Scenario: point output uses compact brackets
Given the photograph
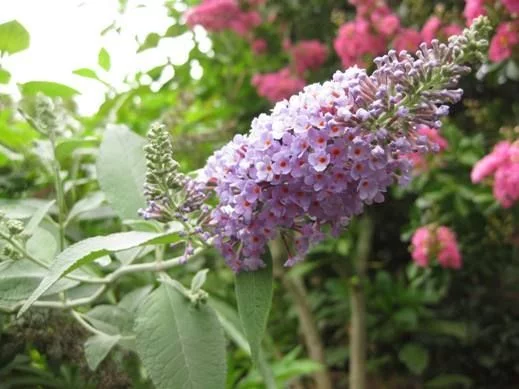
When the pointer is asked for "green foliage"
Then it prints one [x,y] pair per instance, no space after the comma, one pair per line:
[87,250]
[121,168]
[51,89]
[97,348]
[180,345]
[415,357]
[13,37]
[103,59]
[254,298]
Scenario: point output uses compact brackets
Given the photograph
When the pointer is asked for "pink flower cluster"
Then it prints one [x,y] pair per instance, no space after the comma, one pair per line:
[368,34]
[503,164]
[505,40]
[435,28]
[376,26]
[511,5]
[473,9]
[277,85]
[435,242]
[219,15]
[308,55]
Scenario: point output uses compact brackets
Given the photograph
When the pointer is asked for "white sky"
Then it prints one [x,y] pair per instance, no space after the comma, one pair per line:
[65,35]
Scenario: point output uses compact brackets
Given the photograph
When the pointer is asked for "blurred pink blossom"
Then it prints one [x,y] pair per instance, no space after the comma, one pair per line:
[503,163]
[355,41]
[308,55]
[259,46]
[435,29]
[428,242]
[511,5]
[219,15]
[407,39]
[448,252]
[278,85]
[489,164]
[473,9]
[504,41]
[421,242]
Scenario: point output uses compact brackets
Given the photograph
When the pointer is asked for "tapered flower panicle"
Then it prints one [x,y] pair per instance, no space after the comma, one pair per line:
[170,193]
[320,156]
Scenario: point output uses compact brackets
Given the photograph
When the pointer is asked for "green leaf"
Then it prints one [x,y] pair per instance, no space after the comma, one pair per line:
[13,37]
[415,357]
[445,381]
[198,280]
[151,41]
[38,216]
[66,147]
[87,73]
[254,298]
[51,89]
[5,76]
[87,250]
[42,245]
[90,202]
[97,348]
[111,319]
[131,301]
[180,346]
[103,59]
[231,324]
[18,279]
[121,168]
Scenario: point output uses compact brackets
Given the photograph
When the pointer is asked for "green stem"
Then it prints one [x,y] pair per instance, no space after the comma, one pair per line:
[60,195]
[358,333]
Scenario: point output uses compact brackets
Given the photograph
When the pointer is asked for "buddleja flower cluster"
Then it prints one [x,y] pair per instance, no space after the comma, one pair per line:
[171,194]
[319,157]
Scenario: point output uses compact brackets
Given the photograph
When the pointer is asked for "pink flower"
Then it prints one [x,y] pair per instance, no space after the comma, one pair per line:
[504,41]
[309,54]
[259,46]
[219,15]
[451,29]
[503,162]
[435,29]
[506,184]
[489,164]
[473,9]
[421,242]
[448,252]
[407,39]
[511,5]
[355,41]
[387,25]
[278,85]
[430,28]
[429,242]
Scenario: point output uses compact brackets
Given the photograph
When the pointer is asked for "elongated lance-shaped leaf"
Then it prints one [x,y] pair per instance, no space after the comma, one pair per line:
[254,297]
[87,250]
[181,346]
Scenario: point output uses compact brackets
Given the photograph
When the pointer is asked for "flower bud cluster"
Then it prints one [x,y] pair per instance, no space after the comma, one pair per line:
[11,231]
[171,194]
[319,157]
